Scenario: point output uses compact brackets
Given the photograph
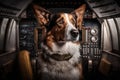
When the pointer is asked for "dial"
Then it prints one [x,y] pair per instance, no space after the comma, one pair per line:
[94,39]
[24,43]
[94,31]
[23,31]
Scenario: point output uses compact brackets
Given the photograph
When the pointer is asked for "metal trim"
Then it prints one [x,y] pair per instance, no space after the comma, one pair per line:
[118,32]
[110,33]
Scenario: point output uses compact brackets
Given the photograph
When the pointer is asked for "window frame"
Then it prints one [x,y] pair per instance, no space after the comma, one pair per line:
[116,25]
[118,31]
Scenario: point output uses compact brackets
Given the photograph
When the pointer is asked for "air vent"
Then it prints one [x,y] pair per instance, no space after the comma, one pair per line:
[13,8]
[104,8]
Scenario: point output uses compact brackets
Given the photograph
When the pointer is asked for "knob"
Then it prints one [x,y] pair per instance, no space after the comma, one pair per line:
[24,43]
[23,37]
[94,31]
[94,39]
[23,31]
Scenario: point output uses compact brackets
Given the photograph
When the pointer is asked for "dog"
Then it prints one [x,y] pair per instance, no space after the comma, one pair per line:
[60,59]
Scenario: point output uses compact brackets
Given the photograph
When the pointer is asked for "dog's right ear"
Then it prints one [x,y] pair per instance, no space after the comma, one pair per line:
[79,14]
[42,15]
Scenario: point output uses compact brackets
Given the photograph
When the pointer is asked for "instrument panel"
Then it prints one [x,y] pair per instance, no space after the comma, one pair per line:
[91,44]
[90,38]
[26,35]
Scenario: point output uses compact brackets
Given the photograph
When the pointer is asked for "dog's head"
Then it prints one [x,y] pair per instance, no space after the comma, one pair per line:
[62,26]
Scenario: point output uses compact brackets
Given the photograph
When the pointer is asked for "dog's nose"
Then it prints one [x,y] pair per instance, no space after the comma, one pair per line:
[74,33]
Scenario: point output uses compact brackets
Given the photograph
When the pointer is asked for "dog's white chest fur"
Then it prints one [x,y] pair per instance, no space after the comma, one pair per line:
[71,48]
[62,70]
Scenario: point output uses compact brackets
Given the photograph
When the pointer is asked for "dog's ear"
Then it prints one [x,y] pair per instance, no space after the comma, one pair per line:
[78,14]
[42,15]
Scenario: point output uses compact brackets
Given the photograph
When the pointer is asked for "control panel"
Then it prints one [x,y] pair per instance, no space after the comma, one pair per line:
[91,41]
[26,35]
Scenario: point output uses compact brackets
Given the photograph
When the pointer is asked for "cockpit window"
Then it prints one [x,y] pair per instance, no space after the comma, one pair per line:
[3,25]
[113,29]
[106,37]
[8,34]
[111,33]
[114,34]
[117,20]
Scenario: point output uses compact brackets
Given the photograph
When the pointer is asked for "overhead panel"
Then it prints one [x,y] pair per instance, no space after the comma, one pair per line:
[104,8]
[12,8]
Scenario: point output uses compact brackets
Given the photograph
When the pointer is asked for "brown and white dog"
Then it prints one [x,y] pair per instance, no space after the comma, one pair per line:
[61,46]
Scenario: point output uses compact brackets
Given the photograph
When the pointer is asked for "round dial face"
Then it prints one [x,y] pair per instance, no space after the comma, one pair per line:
[94,39]
[94,31]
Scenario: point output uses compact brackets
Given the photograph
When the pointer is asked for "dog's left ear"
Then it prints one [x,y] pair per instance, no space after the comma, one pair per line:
[79,14]
[42,15]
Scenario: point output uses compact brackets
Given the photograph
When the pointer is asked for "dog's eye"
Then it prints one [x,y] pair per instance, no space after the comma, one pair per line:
[73,21]
[60,22]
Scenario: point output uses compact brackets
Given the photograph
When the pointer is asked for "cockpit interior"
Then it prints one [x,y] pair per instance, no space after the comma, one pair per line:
[21,38]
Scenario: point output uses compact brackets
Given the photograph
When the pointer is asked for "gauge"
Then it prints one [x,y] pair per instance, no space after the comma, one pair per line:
[94,31]
[94,39]
[24,31]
